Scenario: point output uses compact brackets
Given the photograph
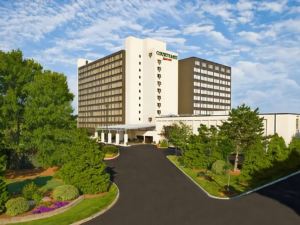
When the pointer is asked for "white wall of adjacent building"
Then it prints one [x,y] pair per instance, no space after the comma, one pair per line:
[284,125]
[141,74]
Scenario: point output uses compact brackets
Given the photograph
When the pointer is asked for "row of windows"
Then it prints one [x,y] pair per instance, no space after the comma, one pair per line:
[100,101]
[210,73]
[101,63]
[211,106]
[203,112]
[100,94]
[103,106]
[101,88]
[98,76]
[100,82]
[211,86]
[209,79]
[101,119]
[211,66]
[210,99]
[214,93]
[99,113]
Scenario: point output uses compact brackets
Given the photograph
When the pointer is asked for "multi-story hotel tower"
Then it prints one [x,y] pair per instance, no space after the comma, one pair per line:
[132,86]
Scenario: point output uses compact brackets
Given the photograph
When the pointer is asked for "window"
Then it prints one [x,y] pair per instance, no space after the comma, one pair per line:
[139,105]
[139,119]
[139,91]
[140,63]
[159,61]
[139,84]
[159,68]
[159,105]
[297,124]
[159,97]
[158,90]
[159,76]
[158,112]
[158,83]
[139,112]
[139,70]
[139,98]
[203,64]
[140,56]
[197,63]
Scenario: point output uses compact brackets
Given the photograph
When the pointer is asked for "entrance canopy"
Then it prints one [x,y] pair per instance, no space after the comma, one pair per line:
[126,127]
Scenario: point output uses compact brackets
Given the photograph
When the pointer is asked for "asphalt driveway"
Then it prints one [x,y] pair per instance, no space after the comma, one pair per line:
[154,192]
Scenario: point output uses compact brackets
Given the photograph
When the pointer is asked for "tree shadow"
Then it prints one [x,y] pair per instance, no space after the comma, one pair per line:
[110,170]
[286,192]
[16,187]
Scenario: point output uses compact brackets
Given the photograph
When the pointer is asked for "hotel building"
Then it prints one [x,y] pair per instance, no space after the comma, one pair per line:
[204,87]
[131,94]
[132,86]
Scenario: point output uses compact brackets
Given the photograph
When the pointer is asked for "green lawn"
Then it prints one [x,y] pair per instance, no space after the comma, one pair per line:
[45,183]
[83,210]
[215,186]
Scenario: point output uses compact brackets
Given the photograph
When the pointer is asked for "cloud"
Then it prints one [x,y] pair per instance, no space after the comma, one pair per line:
[208,31]
[275,6]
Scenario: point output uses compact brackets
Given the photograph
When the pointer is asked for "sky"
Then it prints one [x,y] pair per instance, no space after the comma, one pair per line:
[260,40]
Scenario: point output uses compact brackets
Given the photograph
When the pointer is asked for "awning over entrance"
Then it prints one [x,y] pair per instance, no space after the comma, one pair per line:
[126,127]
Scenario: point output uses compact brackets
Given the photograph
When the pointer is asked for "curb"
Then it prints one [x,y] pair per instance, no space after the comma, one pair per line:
[33,217]
[101,212]
[240,195]
[107,159]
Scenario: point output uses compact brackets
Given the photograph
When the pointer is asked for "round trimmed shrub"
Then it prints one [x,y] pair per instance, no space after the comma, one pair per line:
[65,192]
[218,167]
[110,149]
[16,206]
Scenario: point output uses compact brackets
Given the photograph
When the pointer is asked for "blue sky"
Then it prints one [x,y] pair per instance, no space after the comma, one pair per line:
[260,40]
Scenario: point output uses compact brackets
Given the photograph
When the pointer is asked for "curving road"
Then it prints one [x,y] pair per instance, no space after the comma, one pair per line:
[154,192]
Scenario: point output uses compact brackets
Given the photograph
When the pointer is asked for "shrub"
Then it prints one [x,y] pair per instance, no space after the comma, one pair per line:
[87,171]
[29,190]
[16,206]
[65,193]
[164,143]
[3,194]
[110,149]
[218,167]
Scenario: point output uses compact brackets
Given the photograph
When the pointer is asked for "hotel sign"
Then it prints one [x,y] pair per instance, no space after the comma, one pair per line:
[166,56]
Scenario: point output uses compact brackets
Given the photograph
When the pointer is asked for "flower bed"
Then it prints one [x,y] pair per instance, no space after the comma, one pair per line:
[43,209]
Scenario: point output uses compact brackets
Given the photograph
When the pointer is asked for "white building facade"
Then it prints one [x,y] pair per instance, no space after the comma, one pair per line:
[284,124]
[151,81]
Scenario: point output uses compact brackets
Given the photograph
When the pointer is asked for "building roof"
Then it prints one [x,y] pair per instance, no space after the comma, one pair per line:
[124,127]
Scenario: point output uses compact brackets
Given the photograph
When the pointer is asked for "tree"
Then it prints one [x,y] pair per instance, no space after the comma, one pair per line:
[195,154]
[3,186]
[178,134]
[15,74]
[277,150]
[244,128]
[84,167]
[47,118]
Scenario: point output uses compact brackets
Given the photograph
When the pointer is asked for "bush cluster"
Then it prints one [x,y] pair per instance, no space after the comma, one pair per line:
[65,193]
[163,143]
[31,192]
[16,206]
[110,149]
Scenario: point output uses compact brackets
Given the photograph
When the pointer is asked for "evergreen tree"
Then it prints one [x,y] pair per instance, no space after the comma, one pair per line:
[244,128]
[277,150]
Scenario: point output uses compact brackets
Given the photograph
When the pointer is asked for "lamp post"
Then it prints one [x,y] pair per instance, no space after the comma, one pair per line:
[228,178]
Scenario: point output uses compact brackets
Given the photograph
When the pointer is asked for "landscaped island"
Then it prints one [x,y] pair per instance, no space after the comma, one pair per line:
[234,157]
[38,132]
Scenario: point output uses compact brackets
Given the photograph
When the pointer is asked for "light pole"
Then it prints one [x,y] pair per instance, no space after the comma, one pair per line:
[228,178]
